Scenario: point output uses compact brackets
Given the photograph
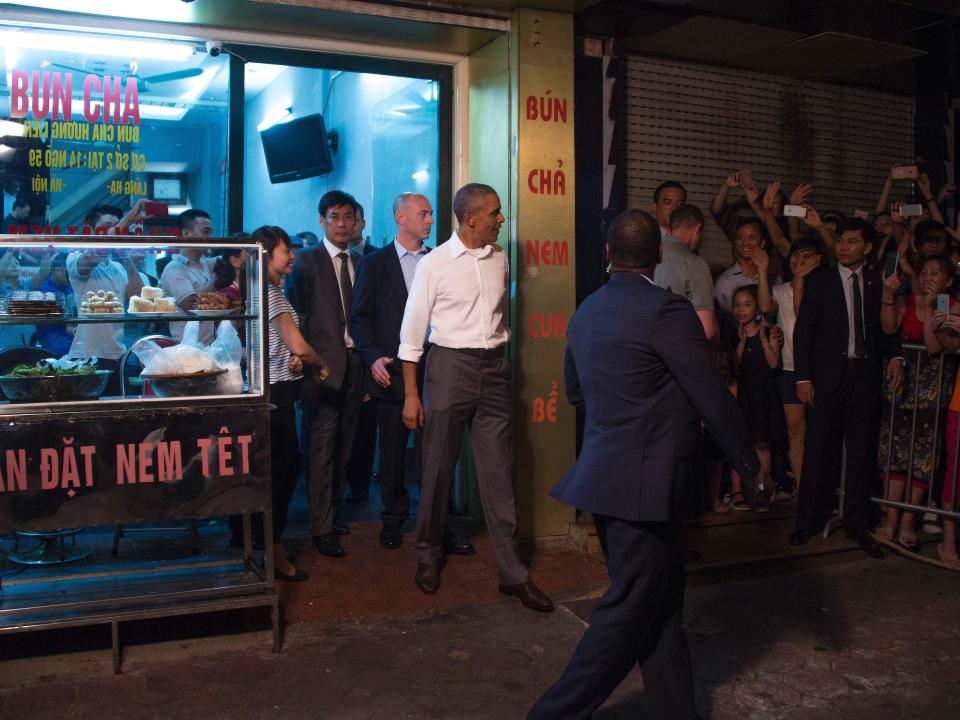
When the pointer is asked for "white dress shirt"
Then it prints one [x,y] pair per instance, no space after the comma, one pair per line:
[845,275]
[461,296]
[334,252]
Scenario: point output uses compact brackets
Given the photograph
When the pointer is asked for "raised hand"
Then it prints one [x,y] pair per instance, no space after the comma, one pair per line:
[770,194]
[732,180]
[946,191]
[807,266]
[776,337]
[891,284]
[895,215]
[761,259]
[812,218]
[800,192]
[923,182]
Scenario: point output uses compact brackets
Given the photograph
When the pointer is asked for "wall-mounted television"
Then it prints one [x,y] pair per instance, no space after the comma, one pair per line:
[297,149]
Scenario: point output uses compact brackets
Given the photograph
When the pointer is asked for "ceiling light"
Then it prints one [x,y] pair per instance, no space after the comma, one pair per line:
[96,45]
[275,117]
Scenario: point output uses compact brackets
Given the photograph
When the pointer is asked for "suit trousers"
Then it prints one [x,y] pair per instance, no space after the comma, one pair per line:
[364,449]
[330,424]
[850,416]
[284,450]
[466,390]
[637,621]
[393,455]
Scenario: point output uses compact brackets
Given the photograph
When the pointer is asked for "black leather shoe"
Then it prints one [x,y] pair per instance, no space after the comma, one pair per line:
[798,537]
[391,539]
[866,543]
[298,575]
[428,577]
[454,546]
[328,545]
[341,529]
[530,595]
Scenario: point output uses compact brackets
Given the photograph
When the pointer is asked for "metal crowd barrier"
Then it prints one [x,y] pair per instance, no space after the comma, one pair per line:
[916,355]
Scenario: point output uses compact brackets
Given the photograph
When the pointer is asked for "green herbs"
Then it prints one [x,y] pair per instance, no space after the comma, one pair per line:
[43,369]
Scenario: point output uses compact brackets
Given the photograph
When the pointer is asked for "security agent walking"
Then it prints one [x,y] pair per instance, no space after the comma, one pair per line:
[638,364]
[459,292]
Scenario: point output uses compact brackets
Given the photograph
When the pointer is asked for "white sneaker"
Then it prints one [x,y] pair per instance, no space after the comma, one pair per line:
[931,524]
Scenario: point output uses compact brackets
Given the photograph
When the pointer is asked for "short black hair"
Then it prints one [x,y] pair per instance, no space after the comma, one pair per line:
[813,244]
[752,290]
[469,198]
[751,220]
[860,225]
[335,198]
[929,231]
[270,236]
[669,184]
[633,239]
[686,216]
[187,218]
[359,211]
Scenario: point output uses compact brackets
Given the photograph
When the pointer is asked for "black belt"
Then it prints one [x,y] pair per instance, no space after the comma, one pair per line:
[482,353]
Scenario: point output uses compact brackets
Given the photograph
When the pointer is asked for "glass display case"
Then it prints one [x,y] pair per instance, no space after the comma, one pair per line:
[105,319]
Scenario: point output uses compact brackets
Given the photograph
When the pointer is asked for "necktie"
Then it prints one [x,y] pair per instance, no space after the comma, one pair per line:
[859,343]
[346,287]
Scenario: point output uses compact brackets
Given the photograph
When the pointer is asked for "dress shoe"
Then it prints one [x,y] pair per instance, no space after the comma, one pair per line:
[454,546]
[341,529]
[353,498]
[428,577]
[798,537]
[866,543]
[328,545]
[530,595]
[298,575]
[391,539]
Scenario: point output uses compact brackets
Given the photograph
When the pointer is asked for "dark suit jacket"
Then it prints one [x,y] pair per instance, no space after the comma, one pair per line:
[379,299]
[316,297]
[822,332]
[637,362]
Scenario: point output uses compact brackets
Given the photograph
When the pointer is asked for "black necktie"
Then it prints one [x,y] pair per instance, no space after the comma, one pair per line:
[346,287]
[859,343]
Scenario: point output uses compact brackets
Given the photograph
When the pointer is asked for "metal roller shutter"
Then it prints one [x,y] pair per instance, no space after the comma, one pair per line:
[698,123]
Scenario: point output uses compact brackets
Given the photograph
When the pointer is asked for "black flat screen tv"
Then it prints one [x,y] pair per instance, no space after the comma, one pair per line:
[297,149]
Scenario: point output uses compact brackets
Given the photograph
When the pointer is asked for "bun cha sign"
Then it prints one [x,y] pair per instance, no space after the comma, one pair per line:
[48,95]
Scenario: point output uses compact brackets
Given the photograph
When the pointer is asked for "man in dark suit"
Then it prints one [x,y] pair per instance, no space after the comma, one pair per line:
[839,352]
[365,444]
[639,365]
[379,300]
[323,296]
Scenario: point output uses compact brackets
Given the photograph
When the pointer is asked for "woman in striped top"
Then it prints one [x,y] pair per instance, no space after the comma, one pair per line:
[287,352]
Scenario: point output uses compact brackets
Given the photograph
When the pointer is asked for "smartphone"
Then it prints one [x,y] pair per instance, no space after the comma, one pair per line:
[156,209]
[911,210]
[904,172]
[862,214]
[893,262]
[794,211]
[943,303]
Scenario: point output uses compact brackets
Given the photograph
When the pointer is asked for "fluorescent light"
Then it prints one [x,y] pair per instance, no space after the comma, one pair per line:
[420,175]
[161,112]
[97,45]
[274,117]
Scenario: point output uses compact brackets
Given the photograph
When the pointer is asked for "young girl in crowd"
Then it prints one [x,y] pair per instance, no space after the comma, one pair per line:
[947,327]
[758,355]
[912,315]
[287,353]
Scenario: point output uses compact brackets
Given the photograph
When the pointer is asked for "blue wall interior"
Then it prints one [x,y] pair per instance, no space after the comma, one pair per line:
[388,144]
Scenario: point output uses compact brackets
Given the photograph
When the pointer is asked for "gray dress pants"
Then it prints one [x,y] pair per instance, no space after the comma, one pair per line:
[468,388]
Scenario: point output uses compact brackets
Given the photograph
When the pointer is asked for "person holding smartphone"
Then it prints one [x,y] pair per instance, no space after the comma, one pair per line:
[913,412]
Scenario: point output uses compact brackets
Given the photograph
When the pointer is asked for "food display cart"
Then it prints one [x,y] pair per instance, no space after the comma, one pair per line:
[185,445]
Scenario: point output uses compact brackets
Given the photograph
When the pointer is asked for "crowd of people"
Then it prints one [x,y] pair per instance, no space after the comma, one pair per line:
[832,332]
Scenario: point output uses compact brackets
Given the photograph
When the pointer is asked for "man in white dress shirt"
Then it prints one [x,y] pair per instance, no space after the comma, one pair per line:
[460,293]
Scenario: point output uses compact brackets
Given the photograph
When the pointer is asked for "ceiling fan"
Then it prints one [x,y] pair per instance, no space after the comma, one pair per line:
[143,82]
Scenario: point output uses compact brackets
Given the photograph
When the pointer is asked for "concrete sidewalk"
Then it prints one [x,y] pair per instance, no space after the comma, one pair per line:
[835,637]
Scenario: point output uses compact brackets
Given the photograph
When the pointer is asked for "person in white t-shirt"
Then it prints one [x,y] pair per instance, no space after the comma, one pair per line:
[94,270]
[784,300]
